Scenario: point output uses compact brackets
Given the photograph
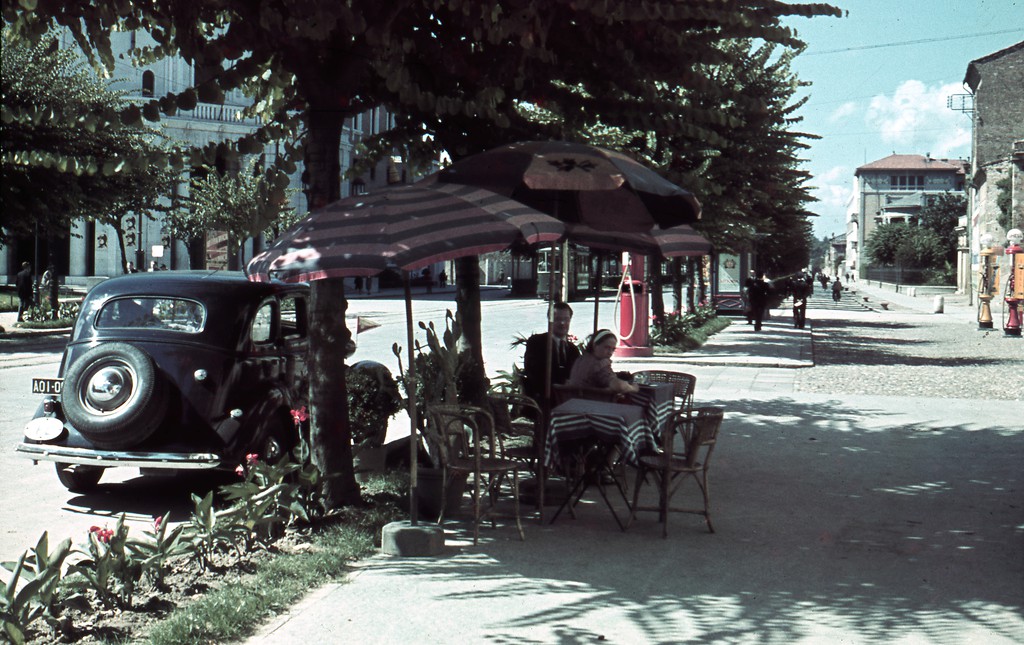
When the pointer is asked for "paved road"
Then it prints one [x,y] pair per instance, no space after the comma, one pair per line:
[844,514]
[842,517]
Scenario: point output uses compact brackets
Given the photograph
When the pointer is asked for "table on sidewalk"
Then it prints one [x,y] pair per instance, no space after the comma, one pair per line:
[583,435]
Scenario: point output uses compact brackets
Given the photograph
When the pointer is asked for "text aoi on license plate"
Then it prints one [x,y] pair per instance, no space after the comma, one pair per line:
[47,385]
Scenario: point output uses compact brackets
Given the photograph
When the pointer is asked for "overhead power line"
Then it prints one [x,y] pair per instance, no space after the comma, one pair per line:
[912,42]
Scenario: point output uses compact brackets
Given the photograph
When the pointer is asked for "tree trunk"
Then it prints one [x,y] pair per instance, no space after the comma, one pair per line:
[677,285]
[330,432]
[467,301]
[656,289]
[691,295]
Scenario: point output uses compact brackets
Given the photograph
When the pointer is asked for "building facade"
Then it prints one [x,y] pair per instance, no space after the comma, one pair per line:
[91,251]
[894,190]
[996,188]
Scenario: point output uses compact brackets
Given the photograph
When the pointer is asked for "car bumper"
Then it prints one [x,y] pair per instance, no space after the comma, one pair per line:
[113,458]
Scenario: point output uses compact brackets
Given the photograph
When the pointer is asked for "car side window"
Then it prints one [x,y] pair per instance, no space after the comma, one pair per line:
[293,317]
[263,324]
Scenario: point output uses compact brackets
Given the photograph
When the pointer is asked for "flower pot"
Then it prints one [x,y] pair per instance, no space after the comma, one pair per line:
[428,492]
[368,460]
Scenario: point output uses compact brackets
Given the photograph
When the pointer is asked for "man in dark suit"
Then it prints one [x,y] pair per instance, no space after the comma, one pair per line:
[757,294]
[563,354]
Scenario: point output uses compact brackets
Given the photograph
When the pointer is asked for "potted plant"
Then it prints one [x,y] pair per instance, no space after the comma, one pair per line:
[442,377]
[373,398]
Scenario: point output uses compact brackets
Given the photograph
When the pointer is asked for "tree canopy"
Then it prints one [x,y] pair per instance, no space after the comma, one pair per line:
[458,74]
[62,158]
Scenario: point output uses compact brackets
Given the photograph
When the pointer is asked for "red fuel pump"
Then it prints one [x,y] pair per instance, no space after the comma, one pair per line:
[634,319]
[1014,283]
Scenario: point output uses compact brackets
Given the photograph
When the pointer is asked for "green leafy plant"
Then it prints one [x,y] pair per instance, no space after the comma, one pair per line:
[41,316]
[675,327]
[31,589]
[208,532]
[157,548]
[270,497]
[373,398]
[109,566]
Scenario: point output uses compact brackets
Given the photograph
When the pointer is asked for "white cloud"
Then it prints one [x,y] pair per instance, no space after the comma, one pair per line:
[916,120]
[833,188]
[843,111]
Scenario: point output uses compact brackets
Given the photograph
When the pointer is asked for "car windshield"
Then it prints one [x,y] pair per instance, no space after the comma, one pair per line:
[174,314]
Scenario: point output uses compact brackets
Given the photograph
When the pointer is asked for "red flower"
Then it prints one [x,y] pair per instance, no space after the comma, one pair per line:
[103,535]
[158,521]
[252,459]
[300,415]
[239,470]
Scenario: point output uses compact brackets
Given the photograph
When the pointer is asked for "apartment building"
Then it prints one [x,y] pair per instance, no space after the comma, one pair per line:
[894,189]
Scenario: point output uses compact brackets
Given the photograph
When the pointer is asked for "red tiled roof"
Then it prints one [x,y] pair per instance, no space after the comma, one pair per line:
[915,162]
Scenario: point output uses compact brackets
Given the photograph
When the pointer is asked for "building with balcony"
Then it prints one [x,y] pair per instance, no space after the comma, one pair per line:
[894,189]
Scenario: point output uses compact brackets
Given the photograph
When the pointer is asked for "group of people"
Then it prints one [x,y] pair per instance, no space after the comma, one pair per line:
[800,286]
[591,367]
[49,286]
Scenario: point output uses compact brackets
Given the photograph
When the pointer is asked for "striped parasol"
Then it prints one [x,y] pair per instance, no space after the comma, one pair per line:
[407,227]
[579,184]
[677,241]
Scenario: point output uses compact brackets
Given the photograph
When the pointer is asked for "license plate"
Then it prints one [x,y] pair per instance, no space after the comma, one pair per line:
[47,385]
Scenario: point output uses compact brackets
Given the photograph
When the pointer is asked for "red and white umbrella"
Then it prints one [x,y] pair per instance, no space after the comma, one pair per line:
[407,227]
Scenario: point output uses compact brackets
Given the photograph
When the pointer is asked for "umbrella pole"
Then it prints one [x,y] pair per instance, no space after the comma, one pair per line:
[413,442]
[597,291]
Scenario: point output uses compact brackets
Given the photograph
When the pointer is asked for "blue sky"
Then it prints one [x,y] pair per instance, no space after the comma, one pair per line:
[881,77]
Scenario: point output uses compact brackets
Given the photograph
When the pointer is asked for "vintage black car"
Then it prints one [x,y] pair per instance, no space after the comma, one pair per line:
[174,370]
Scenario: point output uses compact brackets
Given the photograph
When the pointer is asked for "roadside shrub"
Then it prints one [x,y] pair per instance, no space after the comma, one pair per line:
[675,327]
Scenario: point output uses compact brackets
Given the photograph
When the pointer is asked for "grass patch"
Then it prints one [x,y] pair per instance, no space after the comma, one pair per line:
[696,337]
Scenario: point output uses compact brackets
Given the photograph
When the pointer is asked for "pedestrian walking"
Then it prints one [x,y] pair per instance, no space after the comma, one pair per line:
[757,294]
[23,282]
[800,290]
[442,279]
[837,290]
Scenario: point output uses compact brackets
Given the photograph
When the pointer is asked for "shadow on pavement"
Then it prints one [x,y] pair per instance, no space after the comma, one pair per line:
[834,523]
[148,495]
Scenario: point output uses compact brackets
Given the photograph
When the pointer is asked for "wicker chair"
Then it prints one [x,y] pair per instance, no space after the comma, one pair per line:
[699,434]
[466,442]
[518,419]
[683,384]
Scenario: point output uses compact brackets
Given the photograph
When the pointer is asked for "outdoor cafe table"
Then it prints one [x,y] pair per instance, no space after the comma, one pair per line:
[601,427]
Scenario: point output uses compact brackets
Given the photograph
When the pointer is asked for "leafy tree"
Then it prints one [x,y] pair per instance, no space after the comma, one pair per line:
[456,70]
[942,217]
[884,244]
[244,204]
[62,159]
